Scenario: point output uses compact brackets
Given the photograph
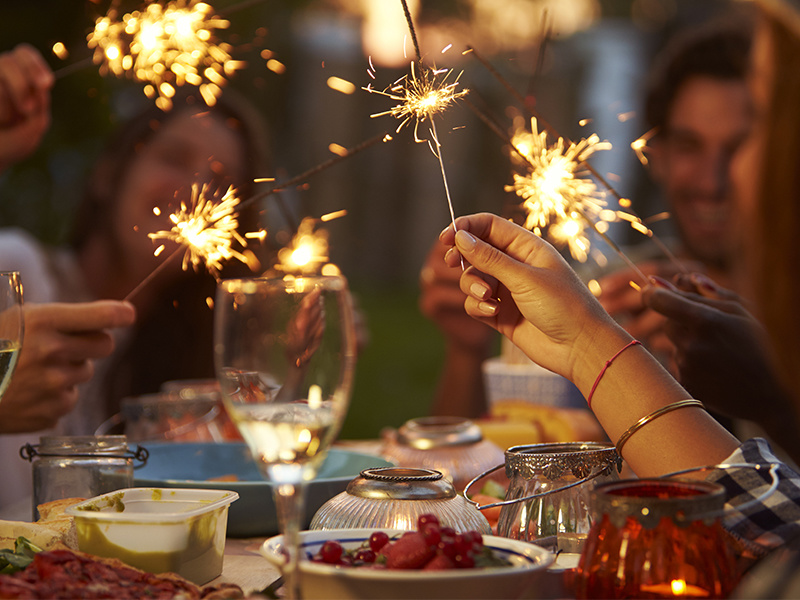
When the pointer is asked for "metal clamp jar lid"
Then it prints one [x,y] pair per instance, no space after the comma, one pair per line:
[80,466]
[395,497]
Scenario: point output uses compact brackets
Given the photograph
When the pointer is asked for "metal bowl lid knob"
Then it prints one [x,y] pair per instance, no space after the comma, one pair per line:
[401,483]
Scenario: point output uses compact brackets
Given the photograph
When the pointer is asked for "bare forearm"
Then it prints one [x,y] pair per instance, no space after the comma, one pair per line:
[635,385]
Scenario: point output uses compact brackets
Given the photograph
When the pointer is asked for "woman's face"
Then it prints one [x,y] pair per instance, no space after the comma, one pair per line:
[193,147]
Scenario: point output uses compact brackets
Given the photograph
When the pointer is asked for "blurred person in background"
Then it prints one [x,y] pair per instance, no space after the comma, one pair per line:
[146,170]
[697,102]
[698,107]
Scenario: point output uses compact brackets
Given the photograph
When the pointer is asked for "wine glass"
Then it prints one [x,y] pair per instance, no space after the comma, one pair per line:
[285,357]
[11,325]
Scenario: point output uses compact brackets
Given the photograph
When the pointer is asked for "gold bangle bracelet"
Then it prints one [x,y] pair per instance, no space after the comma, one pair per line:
[651,417]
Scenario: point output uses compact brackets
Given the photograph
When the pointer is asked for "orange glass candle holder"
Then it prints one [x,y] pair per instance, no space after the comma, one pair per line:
[657,538]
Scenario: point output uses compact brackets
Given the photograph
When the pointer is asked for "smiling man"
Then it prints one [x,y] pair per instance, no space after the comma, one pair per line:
[698,107]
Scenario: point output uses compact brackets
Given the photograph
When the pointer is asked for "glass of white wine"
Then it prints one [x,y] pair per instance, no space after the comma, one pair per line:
[11,325]
[285,358]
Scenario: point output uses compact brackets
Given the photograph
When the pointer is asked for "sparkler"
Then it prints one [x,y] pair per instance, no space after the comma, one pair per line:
[307,253]
[206,230]
[165,46]
[421,97]
[635,221]
[551,188]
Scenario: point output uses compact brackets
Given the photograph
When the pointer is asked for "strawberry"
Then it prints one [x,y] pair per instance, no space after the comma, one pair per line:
[440,562]
[411,551]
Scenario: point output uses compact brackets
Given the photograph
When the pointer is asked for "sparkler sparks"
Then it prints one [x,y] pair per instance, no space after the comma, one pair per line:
[307,254]
[551,187]
[420,96]
[165,46]
[208,229]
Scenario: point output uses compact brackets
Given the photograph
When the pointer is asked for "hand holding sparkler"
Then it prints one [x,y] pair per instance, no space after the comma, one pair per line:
[25,83]
[521,286]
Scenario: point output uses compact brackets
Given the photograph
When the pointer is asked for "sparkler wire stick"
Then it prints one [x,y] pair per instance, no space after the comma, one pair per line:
[554,133]
[383,137]
[153,273]
[73,68]
[412,30]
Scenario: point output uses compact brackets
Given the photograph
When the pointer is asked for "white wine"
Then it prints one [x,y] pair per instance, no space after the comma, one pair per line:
[288,440]
[9,353]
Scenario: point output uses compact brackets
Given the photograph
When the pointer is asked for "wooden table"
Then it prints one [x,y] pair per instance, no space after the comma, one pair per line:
[243,565]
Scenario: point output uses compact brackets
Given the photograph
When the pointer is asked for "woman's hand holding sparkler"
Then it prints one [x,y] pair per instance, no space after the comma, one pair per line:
[61,340]
[520,285]
[25,82]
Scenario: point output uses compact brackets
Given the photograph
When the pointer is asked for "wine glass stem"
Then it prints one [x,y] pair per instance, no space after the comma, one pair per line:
[290,500]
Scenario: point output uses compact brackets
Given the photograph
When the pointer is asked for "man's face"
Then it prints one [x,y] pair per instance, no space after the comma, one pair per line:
[708,121]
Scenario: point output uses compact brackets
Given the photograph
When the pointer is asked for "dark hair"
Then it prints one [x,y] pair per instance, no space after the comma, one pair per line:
[719,51]
[173,338]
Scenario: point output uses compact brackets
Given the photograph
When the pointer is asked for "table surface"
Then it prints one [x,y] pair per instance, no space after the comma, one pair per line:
[243,565]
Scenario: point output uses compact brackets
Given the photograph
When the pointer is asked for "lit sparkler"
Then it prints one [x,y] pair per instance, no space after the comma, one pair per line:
[166,46]
[551,187]
[307,253]
[207,229]
[420,96]
[635,221]
[639,147]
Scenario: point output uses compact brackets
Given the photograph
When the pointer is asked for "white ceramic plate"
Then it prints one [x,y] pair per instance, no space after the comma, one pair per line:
[318,580]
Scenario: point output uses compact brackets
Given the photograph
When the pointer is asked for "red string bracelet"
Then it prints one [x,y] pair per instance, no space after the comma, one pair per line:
[605,368]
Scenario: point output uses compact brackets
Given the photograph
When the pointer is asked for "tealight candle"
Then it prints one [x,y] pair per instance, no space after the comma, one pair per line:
[657,538]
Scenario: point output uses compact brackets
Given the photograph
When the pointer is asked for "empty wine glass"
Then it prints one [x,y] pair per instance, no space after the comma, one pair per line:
[285,357]
[11,325]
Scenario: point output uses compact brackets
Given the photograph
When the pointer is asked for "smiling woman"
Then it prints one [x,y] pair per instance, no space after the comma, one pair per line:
[146,172]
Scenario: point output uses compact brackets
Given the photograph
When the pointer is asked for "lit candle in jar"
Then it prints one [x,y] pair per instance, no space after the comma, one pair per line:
[677,588]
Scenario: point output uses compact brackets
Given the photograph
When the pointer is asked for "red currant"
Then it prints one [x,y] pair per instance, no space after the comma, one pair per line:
[464,561]
[331,552]
[378,540]
[427,520]
[364,555]
[432,535]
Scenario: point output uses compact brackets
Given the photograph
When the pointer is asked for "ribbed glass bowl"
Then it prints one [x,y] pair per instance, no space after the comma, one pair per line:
[395,497]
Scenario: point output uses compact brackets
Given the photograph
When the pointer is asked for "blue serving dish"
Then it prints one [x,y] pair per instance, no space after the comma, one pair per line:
[192,465]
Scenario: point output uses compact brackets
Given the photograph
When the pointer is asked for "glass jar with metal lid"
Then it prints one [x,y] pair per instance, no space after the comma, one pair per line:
[394,497]
[454,446]
[80,466]
[547,499]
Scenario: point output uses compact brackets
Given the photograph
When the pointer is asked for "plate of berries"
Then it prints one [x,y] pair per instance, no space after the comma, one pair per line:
[430,561]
